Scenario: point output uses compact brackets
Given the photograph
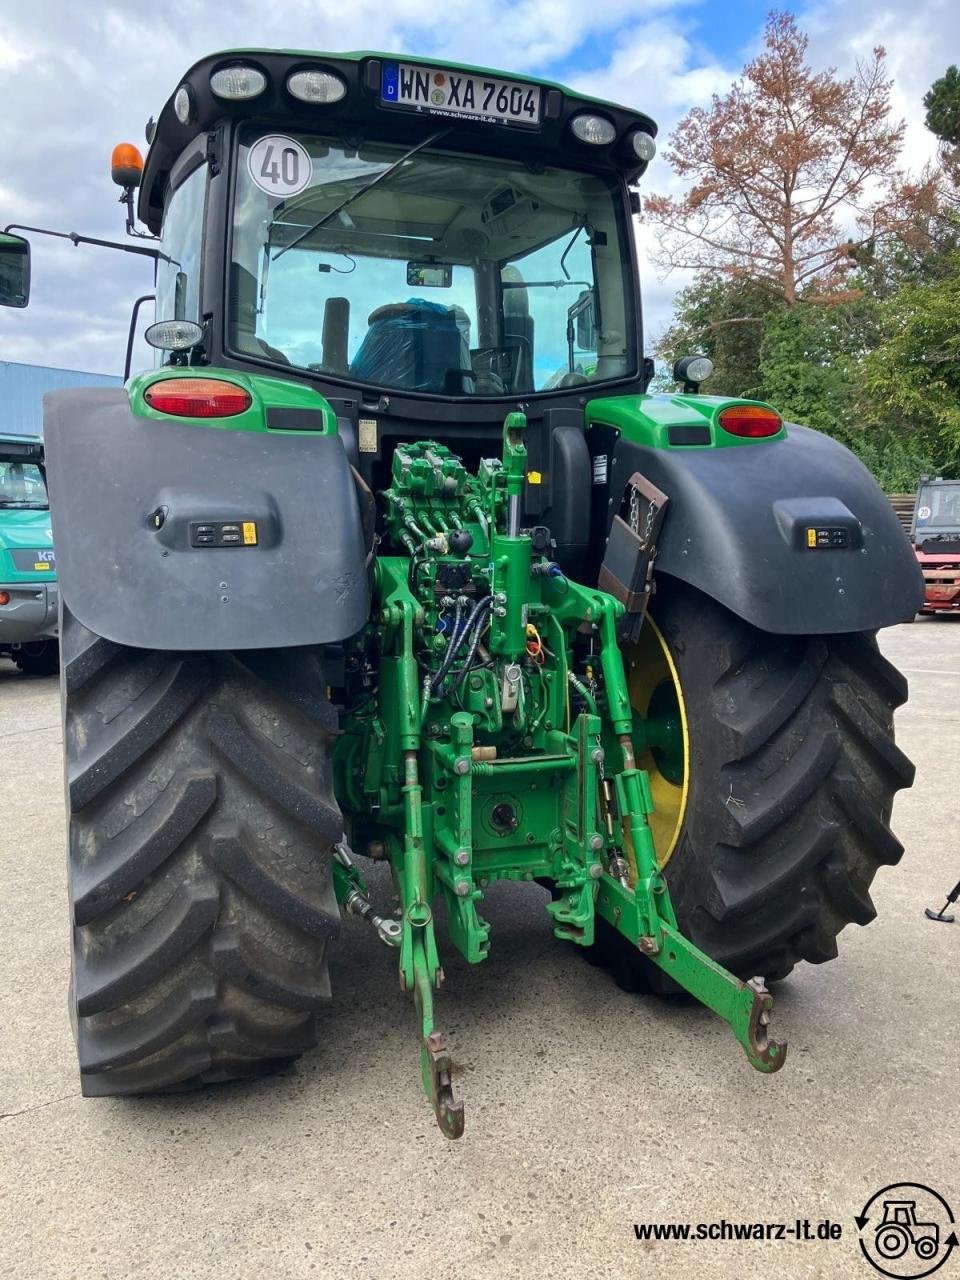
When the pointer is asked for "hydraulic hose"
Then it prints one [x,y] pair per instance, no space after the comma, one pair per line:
[456,641]
[584,692]
[476,624]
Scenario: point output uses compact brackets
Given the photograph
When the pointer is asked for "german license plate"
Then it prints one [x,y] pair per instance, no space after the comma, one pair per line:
[455,93]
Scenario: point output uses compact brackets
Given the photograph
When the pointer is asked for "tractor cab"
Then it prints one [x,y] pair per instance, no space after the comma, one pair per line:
[427,247]
[453,275]
[935,534]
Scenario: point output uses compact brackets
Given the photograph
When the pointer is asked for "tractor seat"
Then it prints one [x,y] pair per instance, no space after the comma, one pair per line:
[394,311]
[417,345]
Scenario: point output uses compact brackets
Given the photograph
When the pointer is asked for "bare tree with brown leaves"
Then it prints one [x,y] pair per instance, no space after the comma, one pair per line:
[781,169]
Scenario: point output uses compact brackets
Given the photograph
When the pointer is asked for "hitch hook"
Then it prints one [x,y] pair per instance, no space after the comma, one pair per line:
[437,1068]
[765,1054]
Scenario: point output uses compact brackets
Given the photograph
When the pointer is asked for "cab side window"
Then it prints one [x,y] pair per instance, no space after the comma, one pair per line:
[178,270]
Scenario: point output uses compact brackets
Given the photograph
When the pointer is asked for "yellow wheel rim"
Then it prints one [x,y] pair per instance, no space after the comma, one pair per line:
[652,678]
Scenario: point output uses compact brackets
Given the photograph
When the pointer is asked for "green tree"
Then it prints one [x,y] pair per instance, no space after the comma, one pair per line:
[812,361]
[815,363]
[808,359]
[897,458]
[942,103]
[912,378]
[724,320]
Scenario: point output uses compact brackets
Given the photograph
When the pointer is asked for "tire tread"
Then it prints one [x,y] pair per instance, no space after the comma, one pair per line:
[788,812]
[202,820]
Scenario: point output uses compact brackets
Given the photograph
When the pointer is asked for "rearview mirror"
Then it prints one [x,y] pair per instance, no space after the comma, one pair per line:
[430,275]
[14,271]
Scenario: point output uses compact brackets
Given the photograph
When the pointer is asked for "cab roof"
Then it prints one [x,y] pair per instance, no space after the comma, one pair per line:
[362,114]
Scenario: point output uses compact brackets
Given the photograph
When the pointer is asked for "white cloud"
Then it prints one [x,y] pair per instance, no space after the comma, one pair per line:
[10,56]
[656,67]
[921,40]
[529,37]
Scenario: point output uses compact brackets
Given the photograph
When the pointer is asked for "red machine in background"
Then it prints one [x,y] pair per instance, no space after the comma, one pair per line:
[935,534]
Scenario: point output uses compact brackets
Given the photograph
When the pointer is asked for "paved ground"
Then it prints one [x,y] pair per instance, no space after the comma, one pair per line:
[587,1110]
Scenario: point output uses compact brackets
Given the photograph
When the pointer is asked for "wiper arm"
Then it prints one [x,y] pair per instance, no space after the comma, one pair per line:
[374,182]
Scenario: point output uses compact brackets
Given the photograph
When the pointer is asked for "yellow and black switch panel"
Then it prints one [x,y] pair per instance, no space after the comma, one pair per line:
[220,533]
[827,538]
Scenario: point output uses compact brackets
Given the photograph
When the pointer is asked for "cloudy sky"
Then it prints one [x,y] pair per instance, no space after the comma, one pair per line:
[78,78]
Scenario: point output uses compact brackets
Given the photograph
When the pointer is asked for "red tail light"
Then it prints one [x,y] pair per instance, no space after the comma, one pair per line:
[197,397]
[4,597]
[751,420]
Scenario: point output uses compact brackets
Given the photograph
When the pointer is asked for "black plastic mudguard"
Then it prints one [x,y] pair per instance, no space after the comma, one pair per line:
[130,496]
[737,528]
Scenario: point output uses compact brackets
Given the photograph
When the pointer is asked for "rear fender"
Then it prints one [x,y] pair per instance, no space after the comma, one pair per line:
[737,524]
[127,494]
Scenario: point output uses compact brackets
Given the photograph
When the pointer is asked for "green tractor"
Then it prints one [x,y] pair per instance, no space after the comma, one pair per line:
[28,571]
[396,560]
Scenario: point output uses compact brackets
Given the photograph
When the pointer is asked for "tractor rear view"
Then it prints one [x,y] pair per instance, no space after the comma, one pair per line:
[403,564]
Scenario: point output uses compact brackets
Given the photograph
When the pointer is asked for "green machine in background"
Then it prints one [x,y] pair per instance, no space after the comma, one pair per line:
[28,573]
[397,560]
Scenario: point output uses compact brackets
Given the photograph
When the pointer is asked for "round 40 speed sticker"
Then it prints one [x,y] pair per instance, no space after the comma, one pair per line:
[280,166]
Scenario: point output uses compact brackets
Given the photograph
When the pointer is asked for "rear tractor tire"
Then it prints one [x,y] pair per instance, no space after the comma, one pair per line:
[201,827]
[774,772]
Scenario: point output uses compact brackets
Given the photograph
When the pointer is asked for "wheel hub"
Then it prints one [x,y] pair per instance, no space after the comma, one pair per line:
[660,733]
